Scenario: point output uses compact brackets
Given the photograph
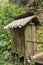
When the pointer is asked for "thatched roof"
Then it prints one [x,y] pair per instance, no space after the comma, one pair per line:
[21,22]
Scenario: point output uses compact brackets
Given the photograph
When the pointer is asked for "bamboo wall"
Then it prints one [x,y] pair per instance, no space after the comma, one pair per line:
[17,36]
[30,35]
[21,37]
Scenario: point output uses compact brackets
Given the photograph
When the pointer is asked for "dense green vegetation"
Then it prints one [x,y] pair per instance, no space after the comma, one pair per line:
[7,13]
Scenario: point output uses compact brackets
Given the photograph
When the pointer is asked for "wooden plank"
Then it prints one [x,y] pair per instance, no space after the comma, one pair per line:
[38,42]
[39,58]
[38,55]
[34,36]
[22,41]
[38,63]
[28,45]
[13,39]
[33,33]
[18,38]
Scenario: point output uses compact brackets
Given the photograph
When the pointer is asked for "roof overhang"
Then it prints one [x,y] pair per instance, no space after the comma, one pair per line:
[21,22]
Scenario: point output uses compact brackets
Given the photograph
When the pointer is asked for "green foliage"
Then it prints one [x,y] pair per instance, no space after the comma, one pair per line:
[40,33]
[41,2]
[19,2]
[7,13]
[32,63]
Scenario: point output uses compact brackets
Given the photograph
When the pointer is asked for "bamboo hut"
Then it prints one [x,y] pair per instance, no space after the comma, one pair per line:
[23,31]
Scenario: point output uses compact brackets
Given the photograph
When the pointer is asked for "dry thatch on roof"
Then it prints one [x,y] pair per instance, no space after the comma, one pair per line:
[25,14]
[22,22]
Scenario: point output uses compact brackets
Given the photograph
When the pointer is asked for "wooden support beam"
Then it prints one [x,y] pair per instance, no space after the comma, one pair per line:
[38,55]
[35,42]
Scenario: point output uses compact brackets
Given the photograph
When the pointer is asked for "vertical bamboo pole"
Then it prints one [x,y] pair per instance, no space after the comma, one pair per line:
[34,36]
[28,45]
